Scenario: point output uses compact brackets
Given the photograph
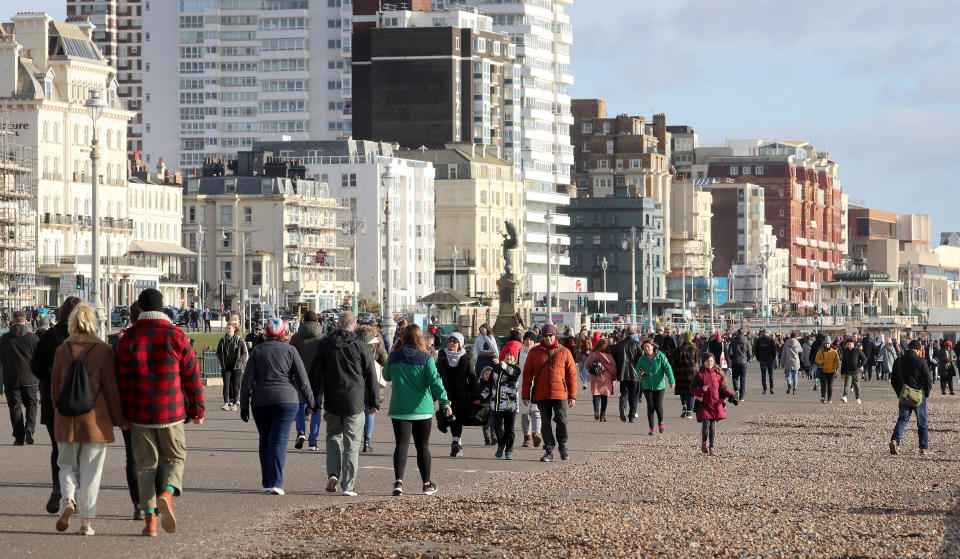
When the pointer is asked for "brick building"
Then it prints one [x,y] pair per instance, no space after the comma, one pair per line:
[803,205]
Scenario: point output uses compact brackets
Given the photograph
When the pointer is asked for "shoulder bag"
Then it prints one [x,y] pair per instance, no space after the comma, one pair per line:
[536,377]
[911,397]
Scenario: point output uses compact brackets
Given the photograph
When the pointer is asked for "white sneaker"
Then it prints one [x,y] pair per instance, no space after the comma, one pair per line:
[349,493]
[332,484]
[858,401]
[266,489]
[312,448]
[276,491]
[225,407]
[843,399]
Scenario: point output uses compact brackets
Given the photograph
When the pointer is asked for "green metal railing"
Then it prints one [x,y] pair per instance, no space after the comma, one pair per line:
[209,365]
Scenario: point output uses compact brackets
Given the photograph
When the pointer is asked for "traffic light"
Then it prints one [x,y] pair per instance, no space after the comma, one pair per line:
[79,282]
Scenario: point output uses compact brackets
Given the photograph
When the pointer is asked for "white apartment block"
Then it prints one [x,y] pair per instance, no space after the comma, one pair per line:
[355,171]
[543,35]
[243,71]
[47,70]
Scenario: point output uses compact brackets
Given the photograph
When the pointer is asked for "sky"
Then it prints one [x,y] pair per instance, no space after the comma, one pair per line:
[873,81]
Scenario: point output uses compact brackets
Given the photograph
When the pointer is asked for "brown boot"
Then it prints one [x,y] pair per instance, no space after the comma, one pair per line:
[165,509]
[150,528]
[537,439]
[526,441]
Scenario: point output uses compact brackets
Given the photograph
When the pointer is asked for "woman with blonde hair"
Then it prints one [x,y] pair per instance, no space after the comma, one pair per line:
[83,437]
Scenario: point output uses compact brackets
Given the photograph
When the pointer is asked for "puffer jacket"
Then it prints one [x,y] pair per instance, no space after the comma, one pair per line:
[765,349]
[791,355]
[738,350]
[828,360]
[556,380]
[503,387]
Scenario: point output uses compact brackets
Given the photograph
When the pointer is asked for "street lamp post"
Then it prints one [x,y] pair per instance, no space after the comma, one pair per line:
[710,285]
[647,246]
[603,266]
[560,251]
[548,219]
[95,105]
[632,245]
[453,254]
[200,308]
[683,285]
[357,226]
[389,324]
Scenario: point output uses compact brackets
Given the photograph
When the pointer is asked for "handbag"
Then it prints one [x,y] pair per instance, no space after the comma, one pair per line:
[911,397]
[596,368]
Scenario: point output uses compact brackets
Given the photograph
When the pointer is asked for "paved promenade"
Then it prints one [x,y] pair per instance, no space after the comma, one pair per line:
[793,477]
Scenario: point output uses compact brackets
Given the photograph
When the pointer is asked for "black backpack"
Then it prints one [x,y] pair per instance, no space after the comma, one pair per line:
[75,397]
[596,368]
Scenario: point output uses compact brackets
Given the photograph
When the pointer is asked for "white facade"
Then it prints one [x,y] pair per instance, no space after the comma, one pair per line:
[543,35]
[243,72]
[55,65]
[355,172]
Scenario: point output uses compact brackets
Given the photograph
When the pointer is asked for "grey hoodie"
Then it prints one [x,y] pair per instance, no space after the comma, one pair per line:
[790,354]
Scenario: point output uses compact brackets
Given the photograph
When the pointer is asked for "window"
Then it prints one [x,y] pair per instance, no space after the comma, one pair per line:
[798,191]
[781,212]
[636,163]
[734,171]
[588,128]
[603,164]
[746,170]
[758,170]
[483,196]
[226,271]
[606,127]
[192,214]
[597,240]
[247,214]
[226,215]
[610,147]
[483,224]
[586,147]
[619,163]
[348,180]
[226,240]
[256,272]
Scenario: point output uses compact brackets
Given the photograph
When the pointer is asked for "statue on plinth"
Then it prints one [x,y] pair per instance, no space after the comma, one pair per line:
[507,284]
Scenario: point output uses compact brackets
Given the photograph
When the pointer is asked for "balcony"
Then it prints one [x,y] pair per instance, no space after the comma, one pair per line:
[189,279]
[447,263]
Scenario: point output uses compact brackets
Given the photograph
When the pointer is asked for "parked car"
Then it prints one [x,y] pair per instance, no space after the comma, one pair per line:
[366,318]
[120,316]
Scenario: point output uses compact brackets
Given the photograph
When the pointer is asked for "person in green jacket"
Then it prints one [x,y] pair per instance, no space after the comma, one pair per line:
[654,366]
[416,384]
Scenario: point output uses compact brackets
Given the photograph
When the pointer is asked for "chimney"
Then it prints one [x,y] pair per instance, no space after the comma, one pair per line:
[33,34]
[83,22]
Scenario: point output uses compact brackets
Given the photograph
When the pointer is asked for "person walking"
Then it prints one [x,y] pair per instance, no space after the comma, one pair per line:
[828,362]
[765,350]
[232,355]
[42,365]
[602,369]
[656,375]
[947,364]
[685,364]
[715,347]
[344,373]
[369,335]
[550,381]
[851,365]
[710,387]
[305,341]
[869,349]
[160,387]
[529,414]
[274,383]
[888,355]
[83,438]
[910,371]
[503,383]
[738,355]
[416,385]
[805,358]
[21,386]
[815,346]
[626,352]
[459,383]
[207,319]
[484,349]
[791,357]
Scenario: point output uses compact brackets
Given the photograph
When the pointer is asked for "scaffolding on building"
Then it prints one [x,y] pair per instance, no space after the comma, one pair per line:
[18,219]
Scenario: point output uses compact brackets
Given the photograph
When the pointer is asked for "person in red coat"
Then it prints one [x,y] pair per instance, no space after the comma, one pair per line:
[710,388]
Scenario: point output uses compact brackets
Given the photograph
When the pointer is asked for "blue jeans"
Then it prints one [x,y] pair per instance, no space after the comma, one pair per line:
[630,396]
[687,402]
[739,378]
[273,423]
[767,369]
[904,417]
[315,419]
[600,402]
[368,421]
[791,375]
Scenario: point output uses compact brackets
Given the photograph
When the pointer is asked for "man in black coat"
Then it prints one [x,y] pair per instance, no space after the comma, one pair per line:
[343,373]
[765,349]
[911,370]
[626,352]
[852,361]
[20,384]
[41,364]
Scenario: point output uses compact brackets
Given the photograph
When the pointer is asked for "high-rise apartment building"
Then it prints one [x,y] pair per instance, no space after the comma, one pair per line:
[473,81]
[119,35]
[803,204]
[243,71]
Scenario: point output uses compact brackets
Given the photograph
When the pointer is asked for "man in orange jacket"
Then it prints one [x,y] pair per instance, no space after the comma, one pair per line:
[549,378]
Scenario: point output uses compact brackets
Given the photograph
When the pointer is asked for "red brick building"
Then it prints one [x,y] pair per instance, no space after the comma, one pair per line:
[803,204]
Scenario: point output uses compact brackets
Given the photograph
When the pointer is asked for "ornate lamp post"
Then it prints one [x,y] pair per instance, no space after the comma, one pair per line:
[95,105]
[631,243]
[603,266]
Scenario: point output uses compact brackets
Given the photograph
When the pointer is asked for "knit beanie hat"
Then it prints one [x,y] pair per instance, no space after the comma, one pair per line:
[512,349]
[275,328]
[150,300]
[457,336]
[687,336]
[530,335]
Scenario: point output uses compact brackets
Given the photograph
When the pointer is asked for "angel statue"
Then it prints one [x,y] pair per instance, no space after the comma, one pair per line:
[509,243]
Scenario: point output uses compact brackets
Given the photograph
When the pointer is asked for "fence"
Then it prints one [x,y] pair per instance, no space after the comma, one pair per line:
[209,365]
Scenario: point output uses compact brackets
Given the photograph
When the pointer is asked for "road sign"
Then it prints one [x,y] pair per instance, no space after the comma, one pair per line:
[67,284]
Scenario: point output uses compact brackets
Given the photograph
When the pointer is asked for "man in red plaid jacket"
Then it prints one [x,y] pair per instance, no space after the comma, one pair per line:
[160,387]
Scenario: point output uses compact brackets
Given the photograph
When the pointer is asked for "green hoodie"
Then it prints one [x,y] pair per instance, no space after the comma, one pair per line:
[416,384]
[656,368]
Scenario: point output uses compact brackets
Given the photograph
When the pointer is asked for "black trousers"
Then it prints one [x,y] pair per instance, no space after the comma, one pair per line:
[654,400]
[133,483]
[231,386]
[826,385]
[419,430]
[54,457]
[23,403]
[946,382]
[555,410]
[206,325]
[630,395]
[503,424]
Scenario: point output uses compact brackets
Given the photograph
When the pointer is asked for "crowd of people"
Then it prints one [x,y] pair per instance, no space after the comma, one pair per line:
[149,385]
